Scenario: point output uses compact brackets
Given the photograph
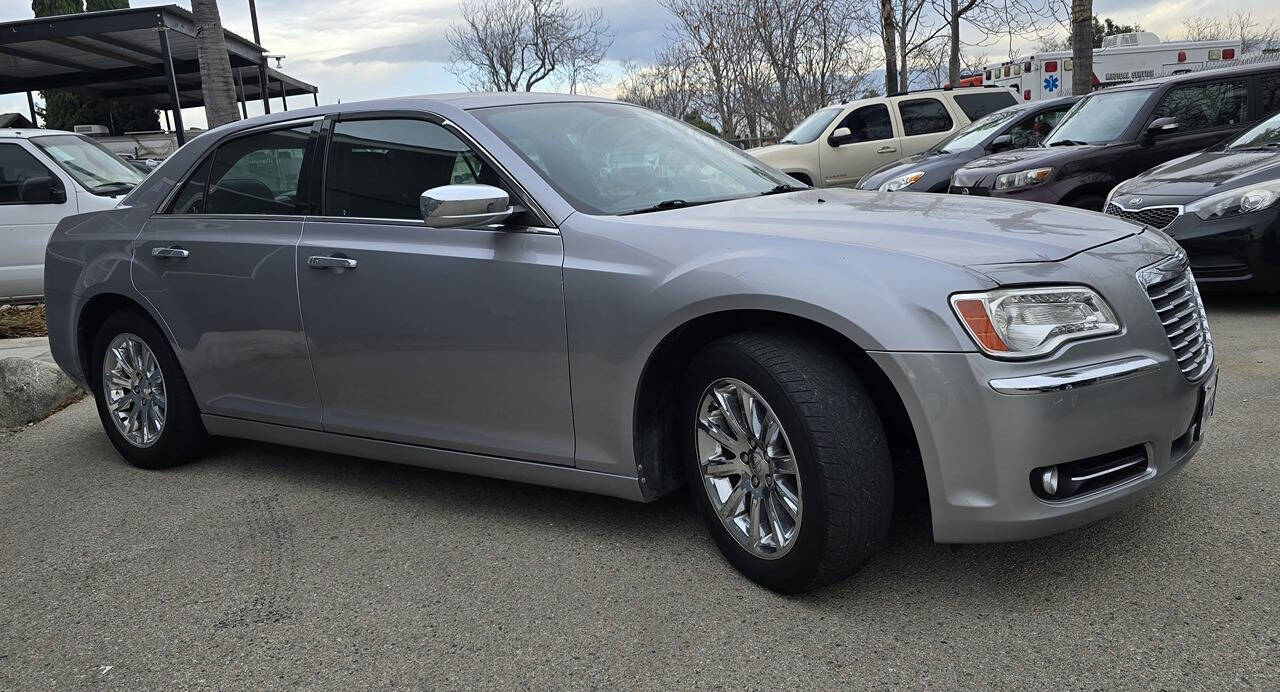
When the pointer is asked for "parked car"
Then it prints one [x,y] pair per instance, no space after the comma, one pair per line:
[839,144]
[1015,127]
[1116,133]
[1220,205]
[46,175]
[550,319]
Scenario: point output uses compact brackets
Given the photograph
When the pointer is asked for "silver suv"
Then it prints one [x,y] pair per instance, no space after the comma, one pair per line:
[586,294]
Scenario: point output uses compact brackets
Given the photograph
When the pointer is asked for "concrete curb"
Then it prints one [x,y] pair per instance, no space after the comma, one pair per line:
[31,390]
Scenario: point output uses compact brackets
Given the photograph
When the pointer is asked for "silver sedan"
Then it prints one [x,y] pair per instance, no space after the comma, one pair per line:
[586,294]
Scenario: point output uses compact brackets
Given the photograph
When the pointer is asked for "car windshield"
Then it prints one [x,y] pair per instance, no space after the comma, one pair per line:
[1264,135]
[811,127]
[1100,118]
[973,133]
[611,158]
[91,164]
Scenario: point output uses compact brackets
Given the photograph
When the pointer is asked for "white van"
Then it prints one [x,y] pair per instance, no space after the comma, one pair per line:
[839,144]
[44,176]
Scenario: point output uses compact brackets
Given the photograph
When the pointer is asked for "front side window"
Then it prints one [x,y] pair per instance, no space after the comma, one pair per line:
[257,174]
[869,123]
[1206,106]
[1033,131]
[379,168]
[987,101]
[614,158]
[923,116]
[17,165]
[94,166]
[1099,118]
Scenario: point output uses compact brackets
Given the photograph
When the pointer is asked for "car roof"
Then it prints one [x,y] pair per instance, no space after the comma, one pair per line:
[28,132]
[482,99]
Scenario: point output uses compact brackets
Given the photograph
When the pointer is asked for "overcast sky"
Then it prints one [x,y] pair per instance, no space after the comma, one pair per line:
[360,49]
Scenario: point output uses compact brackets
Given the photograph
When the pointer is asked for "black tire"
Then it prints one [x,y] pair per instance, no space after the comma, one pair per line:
[838,443]
[183,437]
[1090,202]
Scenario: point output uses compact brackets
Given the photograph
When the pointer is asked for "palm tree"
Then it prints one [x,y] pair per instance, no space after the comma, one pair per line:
[215,66]
[1081,46]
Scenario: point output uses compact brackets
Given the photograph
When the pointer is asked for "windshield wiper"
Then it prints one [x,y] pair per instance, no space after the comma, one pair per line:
[112,187]
[787,141]
[779,189]
[1068,143]
[673,204]
[1256,147]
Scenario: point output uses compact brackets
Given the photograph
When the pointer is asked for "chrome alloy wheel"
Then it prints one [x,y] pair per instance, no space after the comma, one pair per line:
[134,389]
[748,469]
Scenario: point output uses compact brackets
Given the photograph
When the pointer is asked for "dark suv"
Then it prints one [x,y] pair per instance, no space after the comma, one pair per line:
[1119,132]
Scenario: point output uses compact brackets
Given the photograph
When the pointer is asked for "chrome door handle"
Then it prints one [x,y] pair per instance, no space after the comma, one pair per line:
[175,252]
[323,262]
[886,150]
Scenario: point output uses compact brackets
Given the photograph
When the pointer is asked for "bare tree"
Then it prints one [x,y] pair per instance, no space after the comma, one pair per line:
[908,30]
[514,45]
[1253,34]
[713,31]
[215,66]
[1082,46]
[669,85]
[889,38]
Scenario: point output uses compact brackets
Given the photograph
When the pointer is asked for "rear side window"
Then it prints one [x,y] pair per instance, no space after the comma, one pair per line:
[16,167]
[869,123]
[1270,96]
[380,168]
[923,116]
[1206,106]
[982,103]
[257,174]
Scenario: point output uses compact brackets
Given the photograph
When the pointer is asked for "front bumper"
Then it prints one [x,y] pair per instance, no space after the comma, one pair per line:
[980,446]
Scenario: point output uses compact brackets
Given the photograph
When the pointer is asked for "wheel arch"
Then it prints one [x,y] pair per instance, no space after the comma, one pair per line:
[93,314]
[656,451]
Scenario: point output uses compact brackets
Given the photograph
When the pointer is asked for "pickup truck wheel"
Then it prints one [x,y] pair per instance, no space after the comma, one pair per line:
[786,458]
[142,395]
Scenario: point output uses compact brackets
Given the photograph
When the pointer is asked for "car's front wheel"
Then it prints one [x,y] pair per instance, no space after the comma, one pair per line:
[786,459]
[145,404]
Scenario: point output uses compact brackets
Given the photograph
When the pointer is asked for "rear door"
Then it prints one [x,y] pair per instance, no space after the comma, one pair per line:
[872,143]
[452,338]
[217,264]
[925,121]
[25,224]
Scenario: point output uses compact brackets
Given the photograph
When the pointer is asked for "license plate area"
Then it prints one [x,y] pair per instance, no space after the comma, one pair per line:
[1204,407]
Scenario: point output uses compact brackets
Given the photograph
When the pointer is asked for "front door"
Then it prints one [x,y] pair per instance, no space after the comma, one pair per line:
[25,224]
[448,338]
[871,143]
[219,269]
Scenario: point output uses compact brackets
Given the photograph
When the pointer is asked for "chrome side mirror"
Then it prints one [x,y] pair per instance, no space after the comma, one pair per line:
[1162,126]
[455,206]
[840,135]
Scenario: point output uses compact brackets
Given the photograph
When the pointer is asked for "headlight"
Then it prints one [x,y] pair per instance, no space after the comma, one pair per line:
[1035,176]
[1239,201]
[1029,322]
[902,181]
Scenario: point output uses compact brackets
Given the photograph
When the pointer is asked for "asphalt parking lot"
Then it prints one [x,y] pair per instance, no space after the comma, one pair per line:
[268,567]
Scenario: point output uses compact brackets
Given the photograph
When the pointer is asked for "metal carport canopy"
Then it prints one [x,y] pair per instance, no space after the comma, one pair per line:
[147,53]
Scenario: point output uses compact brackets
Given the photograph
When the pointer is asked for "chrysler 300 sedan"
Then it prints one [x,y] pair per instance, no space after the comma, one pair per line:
[586,294]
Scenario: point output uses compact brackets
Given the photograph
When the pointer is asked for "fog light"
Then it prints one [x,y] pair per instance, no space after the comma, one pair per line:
[1049,480]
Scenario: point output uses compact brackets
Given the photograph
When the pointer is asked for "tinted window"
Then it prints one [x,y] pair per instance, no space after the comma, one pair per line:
[190,197]
[1033,131]
[1205,106]
[1270,93]
[869,123]
[987,101]
[258,174]
[923,116]
[16,166]
[380,168]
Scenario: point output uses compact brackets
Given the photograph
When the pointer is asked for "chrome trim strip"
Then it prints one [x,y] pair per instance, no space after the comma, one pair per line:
[1063,380]
[1107,471]
[1122,207]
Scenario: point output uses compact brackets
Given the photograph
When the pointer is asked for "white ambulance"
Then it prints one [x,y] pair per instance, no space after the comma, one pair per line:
[1122,58]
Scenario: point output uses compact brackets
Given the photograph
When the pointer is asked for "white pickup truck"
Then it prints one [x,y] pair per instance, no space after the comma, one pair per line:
[46,175]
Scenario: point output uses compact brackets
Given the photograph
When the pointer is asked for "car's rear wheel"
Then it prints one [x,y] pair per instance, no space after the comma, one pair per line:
[786,458]
[143,399]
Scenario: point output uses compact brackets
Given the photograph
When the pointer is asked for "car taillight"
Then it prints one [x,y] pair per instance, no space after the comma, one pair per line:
[1026,95]
[1026,67]
[1051,66]
[1228,53]
[1182,56]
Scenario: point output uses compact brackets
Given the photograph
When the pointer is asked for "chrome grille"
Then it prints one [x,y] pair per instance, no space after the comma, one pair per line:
[1158,218]
[1173,294]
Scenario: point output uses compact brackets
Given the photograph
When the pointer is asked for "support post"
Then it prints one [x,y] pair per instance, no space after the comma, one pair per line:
[171,79]
[244,109]
[31,104]
[284,95]
[263,84]
[315,98]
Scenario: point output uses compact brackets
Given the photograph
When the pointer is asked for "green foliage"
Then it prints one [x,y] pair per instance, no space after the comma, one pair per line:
[693,118]
[63,110]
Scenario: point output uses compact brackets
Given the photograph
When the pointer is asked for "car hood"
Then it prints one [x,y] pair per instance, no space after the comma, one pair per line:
[1205,173]
[964,231]
[924,161]
[984,170]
